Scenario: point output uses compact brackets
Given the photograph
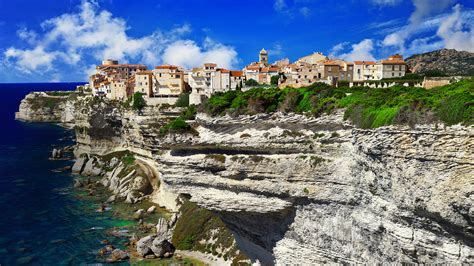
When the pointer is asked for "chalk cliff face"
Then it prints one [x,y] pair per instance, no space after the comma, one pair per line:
[304,190]
[41,107]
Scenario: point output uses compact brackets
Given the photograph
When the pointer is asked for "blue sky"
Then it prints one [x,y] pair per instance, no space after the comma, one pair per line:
[53,40]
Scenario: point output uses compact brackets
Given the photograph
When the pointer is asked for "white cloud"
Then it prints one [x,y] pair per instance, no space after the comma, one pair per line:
[91,35]
[280,5]
[452,33]
[338,48]
[277,50]
[386,2]
[423,9]
[188,54]
[305,12]
[360,51]
[294,9]
[32,60]
[27,35]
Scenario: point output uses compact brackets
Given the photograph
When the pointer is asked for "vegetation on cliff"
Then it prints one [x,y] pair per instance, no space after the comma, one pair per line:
[201,230]
[365,107]
[179,124]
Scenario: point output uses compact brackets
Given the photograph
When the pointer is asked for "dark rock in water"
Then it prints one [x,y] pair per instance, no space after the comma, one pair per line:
[78,183]
[78,165]
[105,242]
[118,255]
[56,154]
[57,241]
[24,260]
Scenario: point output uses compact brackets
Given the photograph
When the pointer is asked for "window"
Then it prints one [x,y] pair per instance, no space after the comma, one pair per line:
[399,74]
[393,74]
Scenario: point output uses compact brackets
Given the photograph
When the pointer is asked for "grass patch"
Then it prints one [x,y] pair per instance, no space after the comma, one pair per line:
[195,226]
[364,107]
[179,124]
[59,93]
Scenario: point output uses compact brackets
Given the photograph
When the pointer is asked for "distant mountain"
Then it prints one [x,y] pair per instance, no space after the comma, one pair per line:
[445,61]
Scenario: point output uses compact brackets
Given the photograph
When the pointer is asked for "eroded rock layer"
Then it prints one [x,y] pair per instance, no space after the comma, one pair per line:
[304,190]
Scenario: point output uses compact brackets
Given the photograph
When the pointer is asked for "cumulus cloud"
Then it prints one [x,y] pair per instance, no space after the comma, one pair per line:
[359,51]
[453,34]
[423,9]
[90,35]
[31,60]
[337,49]
[188,54]
[280,5]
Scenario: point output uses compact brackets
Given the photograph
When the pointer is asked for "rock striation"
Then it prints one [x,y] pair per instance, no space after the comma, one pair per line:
[299,190]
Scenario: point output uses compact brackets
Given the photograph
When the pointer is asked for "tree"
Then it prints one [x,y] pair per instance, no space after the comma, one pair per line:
[138,101]
[274,80]
[251,82]
[183,100]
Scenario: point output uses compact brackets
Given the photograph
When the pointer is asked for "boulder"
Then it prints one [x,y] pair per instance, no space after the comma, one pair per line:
[162,246]
[118,255]
[140,183]
[144,245]
[57,153]
[151,209]
[139,214]
[78,183]
[88,167]
[78,165]
[111,199]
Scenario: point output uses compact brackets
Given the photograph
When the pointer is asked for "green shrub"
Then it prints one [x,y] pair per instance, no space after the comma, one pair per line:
[183,100]
[177,125]
[274,80]
[251,82]
[364,107]
[138,101]
[128,159]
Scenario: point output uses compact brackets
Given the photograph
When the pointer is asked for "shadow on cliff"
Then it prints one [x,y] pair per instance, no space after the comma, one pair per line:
[256,234]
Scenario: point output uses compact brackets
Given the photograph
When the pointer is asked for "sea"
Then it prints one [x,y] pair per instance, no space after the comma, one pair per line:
[43,219]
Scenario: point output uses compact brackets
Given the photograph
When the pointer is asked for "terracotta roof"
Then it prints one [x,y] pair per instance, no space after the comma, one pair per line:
[139,66]
[364,62]
[396,56]
[236,73]
[393,62]
[166,67]
[252,67]
[223,70]
[210,65]
[331,63]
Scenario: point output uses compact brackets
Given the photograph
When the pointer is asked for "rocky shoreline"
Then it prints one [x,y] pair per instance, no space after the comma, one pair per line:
[282,188]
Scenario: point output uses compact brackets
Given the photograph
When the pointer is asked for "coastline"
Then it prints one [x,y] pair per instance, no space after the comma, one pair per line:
[266,177]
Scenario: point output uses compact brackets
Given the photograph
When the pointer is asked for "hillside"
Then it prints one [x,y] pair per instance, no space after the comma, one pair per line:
[447,61]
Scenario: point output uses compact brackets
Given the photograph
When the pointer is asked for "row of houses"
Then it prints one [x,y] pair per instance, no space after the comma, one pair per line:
[165,83]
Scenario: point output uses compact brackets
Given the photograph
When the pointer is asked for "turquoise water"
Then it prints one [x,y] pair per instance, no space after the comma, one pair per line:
[42,220]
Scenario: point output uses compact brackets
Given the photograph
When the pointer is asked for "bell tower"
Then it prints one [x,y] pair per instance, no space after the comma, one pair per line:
[263,57]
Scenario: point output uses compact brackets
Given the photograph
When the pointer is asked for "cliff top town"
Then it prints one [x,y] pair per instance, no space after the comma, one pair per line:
[165,83]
